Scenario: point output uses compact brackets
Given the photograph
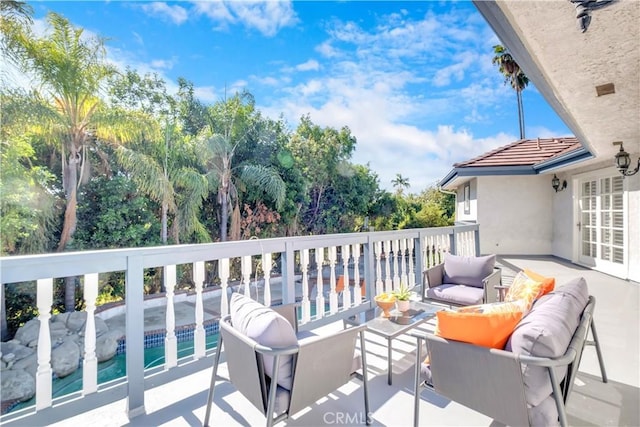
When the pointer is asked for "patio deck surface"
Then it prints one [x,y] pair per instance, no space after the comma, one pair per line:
[178,397]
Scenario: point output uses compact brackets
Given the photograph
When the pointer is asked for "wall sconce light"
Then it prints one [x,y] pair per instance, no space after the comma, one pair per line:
[623,161]
[555,183]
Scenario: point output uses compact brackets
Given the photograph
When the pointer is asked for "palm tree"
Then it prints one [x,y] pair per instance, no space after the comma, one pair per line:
[400,183]
[72,70]
[513,75]
[227,179]
[160,171]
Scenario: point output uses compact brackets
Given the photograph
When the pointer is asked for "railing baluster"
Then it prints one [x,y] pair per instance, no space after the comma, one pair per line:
[357,291]
[403,262]
[223,272]
[304,267]
[379,284]
[43,374]
[199,335]
[319,283]
[333,296]
[245,266]
[388,284]
[266,267]
[346,293]
[170,341]
[90,361]
[396,273]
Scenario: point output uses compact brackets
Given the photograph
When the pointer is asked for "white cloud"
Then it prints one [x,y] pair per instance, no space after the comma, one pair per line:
[310,65]
[267,17]
[327,50]
[456,70]
[391,94]
[266,81]
[206,94]
[163,64]
[176,14]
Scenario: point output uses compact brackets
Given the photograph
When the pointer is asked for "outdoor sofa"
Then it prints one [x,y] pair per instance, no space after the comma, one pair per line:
[529,381]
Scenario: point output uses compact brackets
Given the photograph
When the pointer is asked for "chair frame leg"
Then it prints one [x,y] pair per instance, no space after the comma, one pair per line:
[416,385]
[596,342]
[365,383]
[557,396]
[216,362]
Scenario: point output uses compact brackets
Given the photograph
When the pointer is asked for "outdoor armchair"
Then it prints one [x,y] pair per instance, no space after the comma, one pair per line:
[461,280]
[282,380]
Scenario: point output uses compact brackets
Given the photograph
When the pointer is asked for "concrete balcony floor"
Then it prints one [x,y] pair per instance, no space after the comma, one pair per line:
[178,397]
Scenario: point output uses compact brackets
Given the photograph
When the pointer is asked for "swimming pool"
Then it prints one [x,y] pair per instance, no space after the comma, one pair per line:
[116,368]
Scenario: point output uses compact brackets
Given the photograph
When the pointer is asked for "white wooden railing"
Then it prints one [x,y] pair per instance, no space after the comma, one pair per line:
[310,268]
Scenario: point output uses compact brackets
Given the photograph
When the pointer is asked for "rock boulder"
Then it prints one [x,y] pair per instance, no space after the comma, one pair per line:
[17,385]
[65,359]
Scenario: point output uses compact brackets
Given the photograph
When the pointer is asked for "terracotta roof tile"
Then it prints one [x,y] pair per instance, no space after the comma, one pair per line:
[525,152]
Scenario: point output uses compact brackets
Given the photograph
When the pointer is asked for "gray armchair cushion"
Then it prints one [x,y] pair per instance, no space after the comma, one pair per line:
[457,294]
[470,271]
[268,328]
[546,332]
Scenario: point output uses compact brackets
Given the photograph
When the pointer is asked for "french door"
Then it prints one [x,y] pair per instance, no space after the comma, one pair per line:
[601,206]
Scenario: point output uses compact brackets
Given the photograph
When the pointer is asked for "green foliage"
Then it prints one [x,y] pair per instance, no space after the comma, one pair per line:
[191,112]
[322,155]
[113,214]
[431,208]
[28,217]
[20,304]
[147,94]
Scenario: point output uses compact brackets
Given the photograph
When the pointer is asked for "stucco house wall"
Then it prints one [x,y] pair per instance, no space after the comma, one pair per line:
[462,214]
[515,214]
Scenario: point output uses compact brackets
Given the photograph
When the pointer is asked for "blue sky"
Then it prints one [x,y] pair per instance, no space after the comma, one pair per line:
[412,80]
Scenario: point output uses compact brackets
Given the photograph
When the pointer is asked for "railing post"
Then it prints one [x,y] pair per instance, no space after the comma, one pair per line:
[134,285]
[476,237]
[288,274]
[453,249]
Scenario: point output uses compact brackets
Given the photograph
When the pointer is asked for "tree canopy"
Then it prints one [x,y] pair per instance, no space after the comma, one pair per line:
[96,157]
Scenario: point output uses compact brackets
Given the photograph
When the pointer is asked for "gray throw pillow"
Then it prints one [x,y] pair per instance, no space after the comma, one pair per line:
[546,332]
[268,328]
[467,270]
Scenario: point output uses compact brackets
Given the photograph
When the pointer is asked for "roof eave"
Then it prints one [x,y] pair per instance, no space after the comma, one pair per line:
[564,160]
[576,156]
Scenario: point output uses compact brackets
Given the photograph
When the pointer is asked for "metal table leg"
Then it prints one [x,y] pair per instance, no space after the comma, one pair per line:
[389,361]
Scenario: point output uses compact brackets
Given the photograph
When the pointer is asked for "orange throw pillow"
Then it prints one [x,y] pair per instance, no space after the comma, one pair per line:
[548,283]
[486,325]
[524,288]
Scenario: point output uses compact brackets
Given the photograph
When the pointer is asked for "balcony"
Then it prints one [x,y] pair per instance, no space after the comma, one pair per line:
[175,393]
